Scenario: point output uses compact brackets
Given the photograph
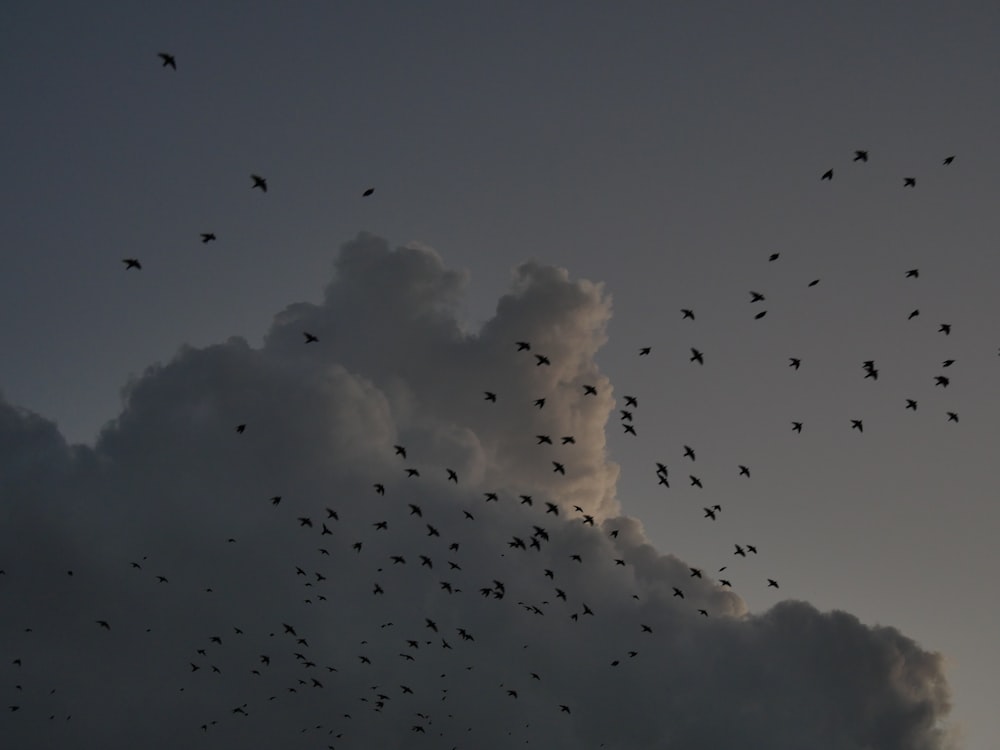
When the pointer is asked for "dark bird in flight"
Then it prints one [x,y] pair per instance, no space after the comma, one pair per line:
[168,60]
[773,257]
[646,628]
[689,452]
[541,360]
[744,471]
[945,328]
[258,182]
[948,363]
[913,314]
[132,263]
[856,425]
[739,551]
[490,396]
[631,401]
[860,155]
[909,182]
[913,273]
[379,488]
[568,439]
[207,237]
[709,513]
[104,624]
[797,426]
[412,473]
[305,521]
[551,508]
[539,402]
[952,416]
[687,314]
[814,282]
[452,476]
[626,414]
[695,573]
[491,496]
[563,708]
[760,315]
[523,346]
[589,390]
[415,510]
[941,380]
[558,467]
[526,500]
[794,362]
[772,583]
[696,356]
[948,160]
[400,450]
[310,338]
[911,404]
[543,439]
[695,482]
[645,350]
[368,192]
[756,296]
[678,592]
[827,175]
[629,429]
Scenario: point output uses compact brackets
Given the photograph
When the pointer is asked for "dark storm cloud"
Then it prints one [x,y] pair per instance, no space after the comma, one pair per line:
[170,482]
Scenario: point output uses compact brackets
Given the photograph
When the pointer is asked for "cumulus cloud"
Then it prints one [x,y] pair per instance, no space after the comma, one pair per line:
[252,594]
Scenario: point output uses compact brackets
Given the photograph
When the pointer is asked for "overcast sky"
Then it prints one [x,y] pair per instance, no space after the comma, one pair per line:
[573,176]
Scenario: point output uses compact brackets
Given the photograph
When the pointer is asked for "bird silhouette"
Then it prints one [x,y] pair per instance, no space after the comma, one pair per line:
[207,237]
[697,356]
[909,182]
[827,175]
[132,263]
[168,60]
[258,182]
[310,338]
[368,192]
[860,155]
[948,160]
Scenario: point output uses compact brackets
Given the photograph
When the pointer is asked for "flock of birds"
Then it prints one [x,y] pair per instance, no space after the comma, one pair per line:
[397,549]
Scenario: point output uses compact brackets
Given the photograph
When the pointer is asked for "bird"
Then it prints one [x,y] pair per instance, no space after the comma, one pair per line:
[913,273]
[814,282]
[760,315]
[490,396]
[523,346]
[941,380]
[241,428]
[568,440]
[948,160]
[689,452]
[797,426]
[631,401]
[678,592]
[709,513]
[913,314]
[756,297]
[629,429]
[774,256]
[258,182]
[541,359]
[857,425]
[539,402]
[948,363]
[860,155]
[400,450]
[543,439]
[132,263]
[558,467]
[452,476]
[276,499]
[104,624]
[740,551]
[909,182]
[310,338]
[695,482]
[645,351]
[686,314]
[772,583]
[911,404]
[207,237]
[827,175]
[744,471]
[589,390]
[794,363]
[952,416]
[697,356]
[368,192]
[945,328]
[168,60]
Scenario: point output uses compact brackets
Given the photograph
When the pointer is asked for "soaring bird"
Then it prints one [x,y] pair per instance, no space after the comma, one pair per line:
[739,551]
[794,363]
[539,402]
[827,175]
[913,273]
[814,282]
[689,452]
[948,160]
[797,426]
[541,359]
[523,346]
[772,583]
[678,592]
[241,428]
[773,256]
[744,471]
[631,401]
[685,313]
[589,390]
[258,182]
[911,404]
[709,513]
[132,263]
[913,314]
[645,350]
[856,425]
[944,328]
[909,182]
[452,476]
[310,338]
[695,482]
[168,60]
[568,439]
[760,315]
[490,396]
[543,439]
[368,192]
[697,356]
[400,450]
[104,624]
[941,380]
[558,467]
[207,237]
[860,155]
[952,416]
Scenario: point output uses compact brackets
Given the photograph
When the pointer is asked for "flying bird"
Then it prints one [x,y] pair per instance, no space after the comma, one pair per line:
[258,182]
[697,356]
[310,338]
[794,363]
[132,263]
[827,175]
[687,314]
[368,192]
[541,359]
[909,182]
[952,416]
[241,428]
[490,396]
[168,60]
[911,404]
[856,425]
[756,297]
[948,160]
[523,346]
[645,350]
[860,155]
[797,426]
[207,237]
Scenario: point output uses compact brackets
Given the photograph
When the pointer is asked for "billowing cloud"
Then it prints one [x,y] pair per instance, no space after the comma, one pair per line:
[182,583]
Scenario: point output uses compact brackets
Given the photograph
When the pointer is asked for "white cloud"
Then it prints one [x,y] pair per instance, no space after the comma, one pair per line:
[169,482]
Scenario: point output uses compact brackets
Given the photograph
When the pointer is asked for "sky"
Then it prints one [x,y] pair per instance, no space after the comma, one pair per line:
[572,176]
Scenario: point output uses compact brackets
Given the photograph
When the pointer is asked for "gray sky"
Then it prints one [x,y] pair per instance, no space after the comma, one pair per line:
[658,156]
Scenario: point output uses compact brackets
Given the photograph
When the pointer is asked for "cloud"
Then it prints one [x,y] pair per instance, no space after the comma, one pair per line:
[171,490]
